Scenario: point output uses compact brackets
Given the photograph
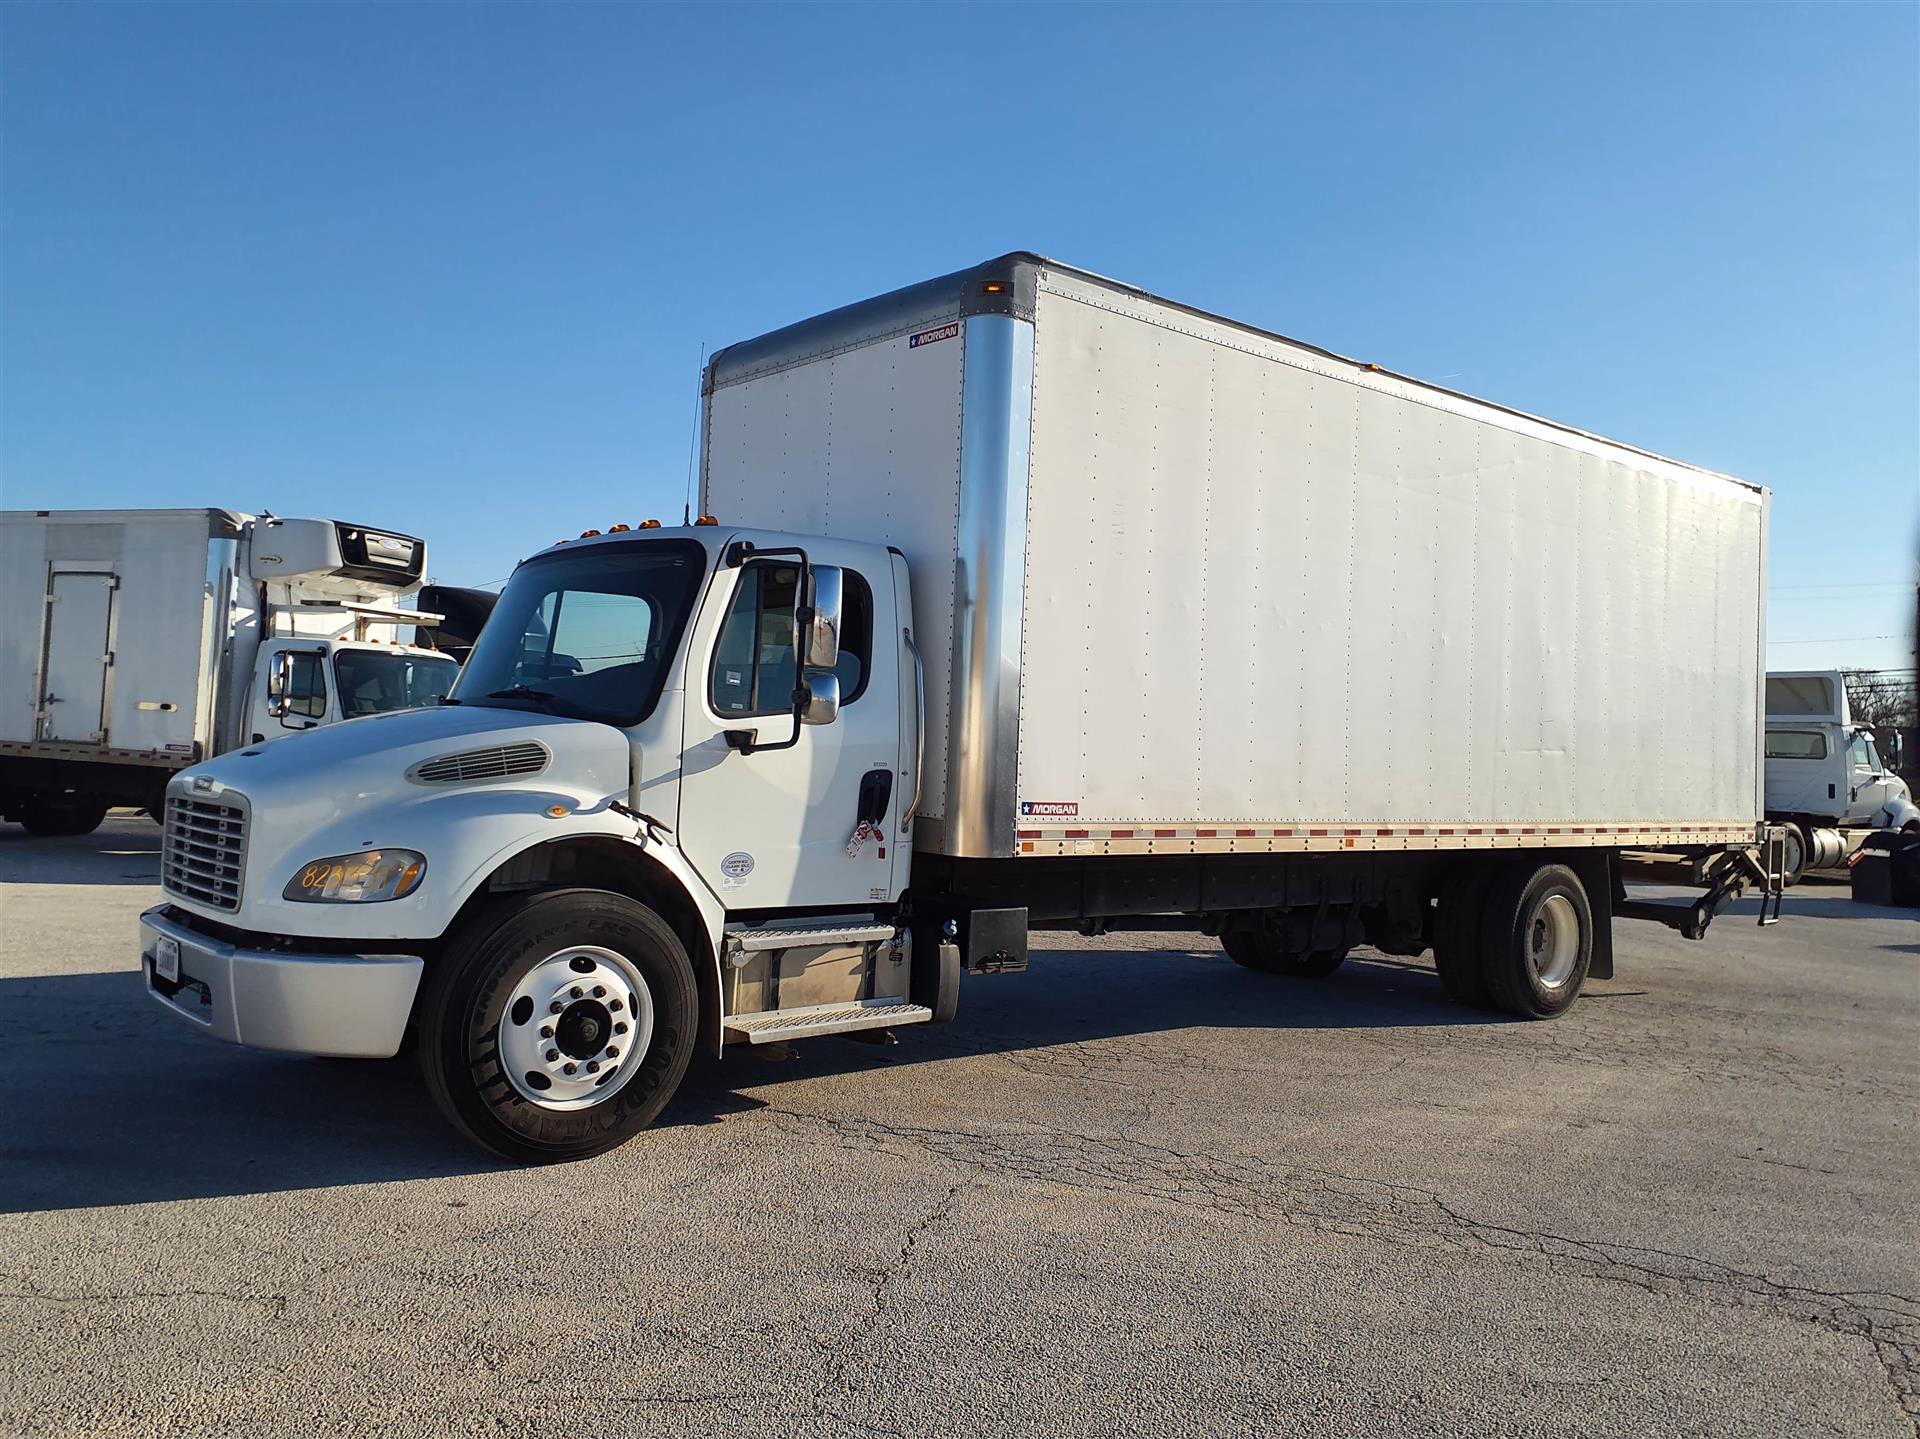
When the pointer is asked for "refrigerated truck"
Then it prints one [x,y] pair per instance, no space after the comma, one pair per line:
[134,643]
[1021,597]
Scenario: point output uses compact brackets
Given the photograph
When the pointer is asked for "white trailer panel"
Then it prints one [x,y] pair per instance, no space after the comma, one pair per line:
[1263,591]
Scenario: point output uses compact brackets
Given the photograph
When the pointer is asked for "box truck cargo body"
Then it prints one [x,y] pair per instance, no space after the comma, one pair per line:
[1021,597]
[1174,573]
[136,642]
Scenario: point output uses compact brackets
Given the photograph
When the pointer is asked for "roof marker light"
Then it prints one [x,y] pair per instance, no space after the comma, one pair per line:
[649,524]
[618,529]
[706,520]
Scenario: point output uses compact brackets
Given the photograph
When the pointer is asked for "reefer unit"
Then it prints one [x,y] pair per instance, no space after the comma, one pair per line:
[1182,584]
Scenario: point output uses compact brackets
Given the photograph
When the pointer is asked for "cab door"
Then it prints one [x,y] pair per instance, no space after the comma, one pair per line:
[810,824]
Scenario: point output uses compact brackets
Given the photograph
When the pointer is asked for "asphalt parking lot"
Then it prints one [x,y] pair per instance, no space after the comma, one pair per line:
[1136,1190]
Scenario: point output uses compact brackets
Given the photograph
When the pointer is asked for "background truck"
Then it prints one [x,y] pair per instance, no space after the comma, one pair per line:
[1038,600]
[134,643]
[1827,783]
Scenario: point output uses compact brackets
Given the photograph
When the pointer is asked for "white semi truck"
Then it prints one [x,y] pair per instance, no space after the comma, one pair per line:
[1032,599]
[135,643]
[1827,784]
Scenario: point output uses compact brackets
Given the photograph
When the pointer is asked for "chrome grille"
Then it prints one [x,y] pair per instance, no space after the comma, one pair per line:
[203,852]
[500,762]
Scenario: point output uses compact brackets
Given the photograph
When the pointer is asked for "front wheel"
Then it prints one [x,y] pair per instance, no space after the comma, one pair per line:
[558,1025]
[1256,949]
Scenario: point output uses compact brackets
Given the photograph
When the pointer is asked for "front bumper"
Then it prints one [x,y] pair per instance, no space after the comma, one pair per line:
[354,1006]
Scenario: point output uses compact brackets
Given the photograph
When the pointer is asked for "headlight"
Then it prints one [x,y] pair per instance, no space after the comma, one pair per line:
[373,874]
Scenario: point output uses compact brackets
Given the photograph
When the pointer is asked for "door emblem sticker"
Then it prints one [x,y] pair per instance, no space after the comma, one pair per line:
[735,868]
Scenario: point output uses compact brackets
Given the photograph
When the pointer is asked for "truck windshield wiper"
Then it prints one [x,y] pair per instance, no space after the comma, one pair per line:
[521,692]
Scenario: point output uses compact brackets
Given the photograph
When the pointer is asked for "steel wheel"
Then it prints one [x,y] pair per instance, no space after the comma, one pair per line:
[570,1023]
[1553,943]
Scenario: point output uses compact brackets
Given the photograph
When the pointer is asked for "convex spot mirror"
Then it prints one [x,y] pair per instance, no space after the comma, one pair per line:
[823,699]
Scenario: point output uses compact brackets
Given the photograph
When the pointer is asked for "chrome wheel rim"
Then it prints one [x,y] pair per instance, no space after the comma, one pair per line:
[1553,940]
[575,1028]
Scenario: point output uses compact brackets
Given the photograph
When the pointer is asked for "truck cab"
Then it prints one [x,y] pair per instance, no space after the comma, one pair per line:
[670,794]
[1825,776]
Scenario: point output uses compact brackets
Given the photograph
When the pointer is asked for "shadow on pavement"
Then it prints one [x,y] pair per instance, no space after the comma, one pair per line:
[105,1099]
[124,850]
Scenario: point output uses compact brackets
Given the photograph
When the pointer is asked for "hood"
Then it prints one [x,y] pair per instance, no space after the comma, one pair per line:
[349,764]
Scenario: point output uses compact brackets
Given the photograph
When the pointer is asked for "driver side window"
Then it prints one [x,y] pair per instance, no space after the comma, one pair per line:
[306,696]
[1860,753]
[753,663]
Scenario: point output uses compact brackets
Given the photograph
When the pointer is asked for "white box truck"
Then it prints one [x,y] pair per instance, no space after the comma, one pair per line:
[135,643]
[1032,599]
[1826,783]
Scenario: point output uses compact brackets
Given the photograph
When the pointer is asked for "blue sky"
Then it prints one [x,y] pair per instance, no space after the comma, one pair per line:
[450,269]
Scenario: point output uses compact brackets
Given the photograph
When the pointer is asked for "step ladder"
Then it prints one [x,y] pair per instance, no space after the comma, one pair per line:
[773,1026]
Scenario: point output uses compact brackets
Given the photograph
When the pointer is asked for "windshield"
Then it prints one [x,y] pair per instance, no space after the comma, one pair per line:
[587,634]
[372,682]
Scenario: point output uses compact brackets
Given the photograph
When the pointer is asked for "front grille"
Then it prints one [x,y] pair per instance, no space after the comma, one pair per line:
[500,762]
[203,852]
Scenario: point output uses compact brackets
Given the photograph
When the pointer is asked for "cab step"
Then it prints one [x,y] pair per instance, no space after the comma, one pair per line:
[771,936]
[773,1026]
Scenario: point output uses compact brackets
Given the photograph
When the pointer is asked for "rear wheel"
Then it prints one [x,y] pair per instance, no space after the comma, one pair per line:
[1536,936]
[559,1025]
[68,815]
[1456,937]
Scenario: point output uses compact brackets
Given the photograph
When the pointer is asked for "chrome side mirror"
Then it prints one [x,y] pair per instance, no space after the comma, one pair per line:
[277,673]
[822,642]
[823,699]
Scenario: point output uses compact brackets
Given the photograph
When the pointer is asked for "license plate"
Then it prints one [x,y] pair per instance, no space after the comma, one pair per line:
[166,958]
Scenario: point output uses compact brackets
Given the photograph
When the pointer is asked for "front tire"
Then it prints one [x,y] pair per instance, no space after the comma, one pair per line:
[1536,937]
[558,1025]
[1255,950]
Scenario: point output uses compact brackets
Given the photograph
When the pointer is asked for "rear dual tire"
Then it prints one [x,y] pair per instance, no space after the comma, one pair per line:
[62,818]
[1517,937]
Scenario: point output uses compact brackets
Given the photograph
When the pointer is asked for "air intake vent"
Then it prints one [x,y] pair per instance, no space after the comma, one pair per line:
[500,762]
[203,851]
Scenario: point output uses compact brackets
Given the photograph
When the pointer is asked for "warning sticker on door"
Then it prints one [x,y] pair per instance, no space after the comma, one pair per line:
[735,868]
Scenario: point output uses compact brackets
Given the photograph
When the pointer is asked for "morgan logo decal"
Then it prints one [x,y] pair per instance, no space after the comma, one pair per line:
[938,332]
[1043,809]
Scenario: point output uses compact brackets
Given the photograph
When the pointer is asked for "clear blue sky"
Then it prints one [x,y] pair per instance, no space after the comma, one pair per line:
[450,269]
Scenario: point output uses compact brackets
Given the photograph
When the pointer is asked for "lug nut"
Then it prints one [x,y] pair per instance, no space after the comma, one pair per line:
[546,1031]
[568,1069]
[552,1054]
[613,1004]
[599,991]
[593,1066]
[575,991]
[620,1028]
[613,1051]
[556,1007]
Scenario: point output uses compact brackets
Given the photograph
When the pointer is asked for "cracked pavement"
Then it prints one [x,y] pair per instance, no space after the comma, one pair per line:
[1134,1190]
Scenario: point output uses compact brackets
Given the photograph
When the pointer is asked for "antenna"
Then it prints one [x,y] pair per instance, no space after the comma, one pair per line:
[693,439]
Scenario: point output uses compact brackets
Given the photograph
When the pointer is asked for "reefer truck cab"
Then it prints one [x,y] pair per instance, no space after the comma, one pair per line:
[1031,598]
[134,643]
